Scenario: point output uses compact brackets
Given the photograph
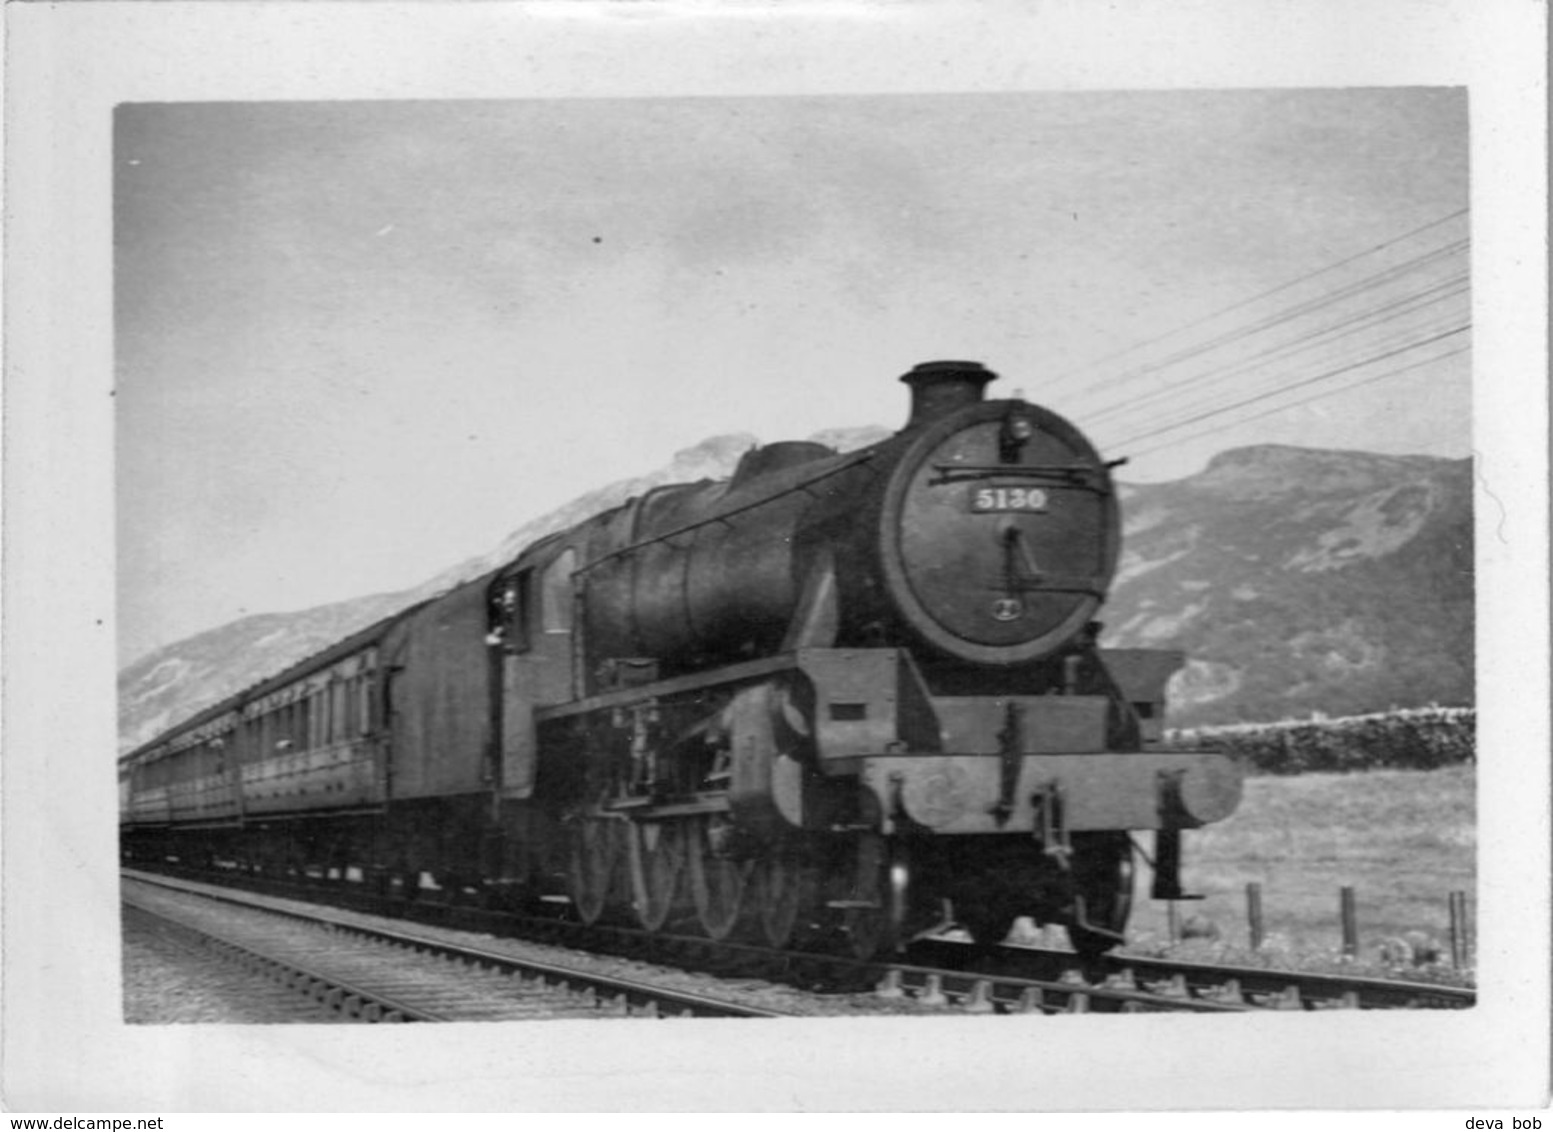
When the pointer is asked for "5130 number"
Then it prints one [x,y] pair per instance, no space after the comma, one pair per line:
[1008,499]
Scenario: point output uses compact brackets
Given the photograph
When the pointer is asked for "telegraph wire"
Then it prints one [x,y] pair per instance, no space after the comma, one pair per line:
[1369,318]
[1205,408]
[1085,367]
[1303,401]
[1280,371]
[1287,315]
[1324,376]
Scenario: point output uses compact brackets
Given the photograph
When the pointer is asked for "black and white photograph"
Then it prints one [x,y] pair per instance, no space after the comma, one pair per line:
[1019,564]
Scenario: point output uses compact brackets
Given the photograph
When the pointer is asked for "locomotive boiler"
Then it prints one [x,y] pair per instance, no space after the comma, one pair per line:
[853,697]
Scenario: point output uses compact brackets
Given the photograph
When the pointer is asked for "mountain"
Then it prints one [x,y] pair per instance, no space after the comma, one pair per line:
[1297,580]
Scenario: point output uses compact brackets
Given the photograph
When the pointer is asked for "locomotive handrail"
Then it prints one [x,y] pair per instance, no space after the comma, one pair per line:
[1082,474]
[723,516]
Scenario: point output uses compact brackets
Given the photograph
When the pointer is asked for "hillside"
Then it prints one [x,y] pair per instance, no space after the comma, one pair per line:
[1297,580]
[1302,580]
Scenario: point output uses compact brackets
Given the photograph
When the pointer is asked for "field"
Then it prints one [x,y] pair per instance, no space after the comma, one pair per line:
[1403,839]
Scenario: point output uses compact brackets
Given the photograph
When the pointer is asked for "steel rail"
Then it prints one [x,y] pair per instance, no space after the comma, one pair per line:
[633,995]
[1010,979]
[1305,989]
[1261,987]
[328,990]
[1072,994]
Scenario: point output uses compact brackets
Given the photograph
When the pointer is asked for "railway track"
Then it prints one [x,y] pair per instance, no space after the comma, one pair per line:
[815,984]
[942,976]
[373,973]
[173,974]
[1257,987]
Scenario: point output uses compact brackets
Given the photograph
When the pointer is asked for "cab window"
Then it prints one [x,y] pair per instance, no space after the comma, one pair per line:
[512,605]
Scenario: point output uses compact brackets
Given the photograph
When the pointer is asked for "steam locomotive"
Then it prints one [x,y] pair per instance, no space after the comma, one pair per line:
[837,697]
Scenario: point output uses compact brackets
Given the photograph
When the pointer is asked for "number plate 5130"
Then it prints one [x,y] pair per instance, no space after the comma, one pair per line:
[1008,499]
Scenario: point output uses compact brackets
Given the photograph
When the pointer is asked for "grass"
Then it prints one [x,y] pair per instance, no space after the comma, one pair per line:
[1402,839]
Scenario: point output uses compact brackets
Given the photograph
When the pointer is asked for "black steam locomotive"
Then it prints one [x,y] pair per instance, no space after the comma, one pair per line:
[847,697]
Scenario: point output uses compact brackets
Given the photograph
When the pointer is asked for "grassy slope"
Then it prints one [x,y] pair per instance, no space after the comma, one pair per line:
[1402,839]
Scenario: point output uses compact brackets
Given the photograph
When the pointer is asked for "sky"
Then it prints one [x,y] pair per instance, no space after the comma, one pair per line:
[356,342]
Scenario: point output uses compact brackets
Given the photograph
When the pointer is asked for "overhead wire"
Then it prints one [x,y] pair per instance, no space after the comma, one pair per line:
[1341,331]
[1316,338]
[1188,396]
[1240,305]
[1286,315]
[1304,401]
[1262,396]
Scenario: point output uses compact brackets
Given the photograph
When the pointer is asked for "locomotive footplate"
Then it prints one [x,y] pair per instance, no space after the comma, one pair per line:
[969,794]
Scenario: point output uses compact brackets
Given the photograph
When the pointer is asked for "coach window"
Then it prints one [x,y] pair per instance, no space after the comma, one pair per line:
[368,703]
[558,593]
[364,714]
[319,711]
[337,725]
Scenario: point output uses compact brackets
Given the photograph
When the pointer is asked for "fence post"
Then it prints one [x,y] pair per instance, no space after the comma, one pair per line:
[1350,923]
[1254,914]
[1172,921]
[1458,902]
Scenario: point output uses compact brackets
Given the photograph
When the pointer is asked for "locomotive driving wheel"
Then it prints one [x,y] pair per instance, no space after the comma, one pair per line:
[784,890]
[717,882]
[1102,884]
[591,867]
[658,858]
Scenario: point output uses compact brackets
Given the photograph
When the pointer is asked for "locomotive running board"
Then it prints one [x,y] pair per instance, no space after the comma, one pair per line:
[730,674]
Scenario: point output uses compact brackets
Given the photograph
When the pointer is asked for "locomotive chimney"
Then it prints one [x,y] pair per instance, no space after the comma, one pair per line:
[941,387]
